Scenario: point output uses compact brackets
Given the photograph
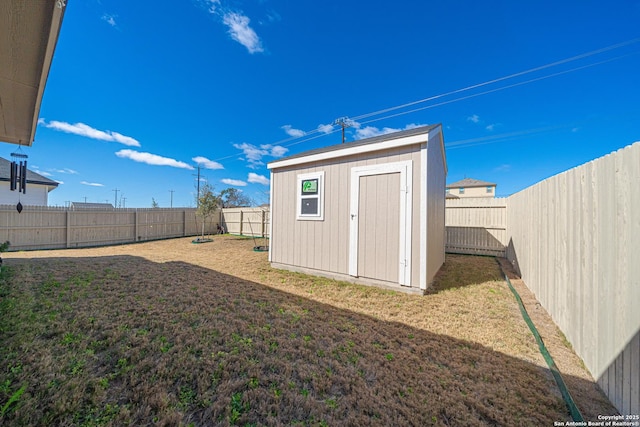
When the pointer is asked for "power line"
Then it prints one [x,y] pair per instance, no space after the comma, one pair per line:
[294,140]
[499,79]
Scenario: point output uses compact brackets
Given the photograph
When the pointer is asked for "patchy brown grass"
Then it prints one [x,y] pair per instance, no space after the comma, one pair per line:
[172,333]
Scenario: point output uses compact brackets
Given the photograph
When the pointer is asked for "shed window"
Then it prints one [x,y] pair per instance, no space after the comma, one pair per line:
[310,191]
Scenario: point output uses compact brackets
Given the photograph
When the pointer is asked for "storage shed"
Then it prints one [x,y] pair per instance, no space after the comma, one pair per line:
[370,211]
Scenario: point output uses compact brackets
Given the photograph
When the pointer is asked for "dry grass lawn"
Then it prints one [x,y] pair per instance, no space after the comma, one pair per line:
[175,333]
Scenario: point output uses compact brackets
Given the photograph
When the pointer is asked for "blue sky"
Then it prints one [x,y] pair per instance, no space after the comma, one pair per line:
[140,93]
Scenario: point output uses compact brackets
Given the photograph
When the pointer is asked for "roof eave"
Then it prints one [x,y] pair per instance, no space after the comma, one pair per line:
[45,36]
[348,150]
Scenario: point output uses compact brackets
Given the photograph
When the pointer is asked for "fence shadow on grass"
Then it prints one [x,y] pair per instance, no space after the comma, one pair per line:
[130,341]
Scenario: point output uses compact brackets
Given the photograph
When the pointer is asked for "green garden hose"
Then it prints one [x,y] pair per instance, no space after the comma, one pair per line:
[571,405]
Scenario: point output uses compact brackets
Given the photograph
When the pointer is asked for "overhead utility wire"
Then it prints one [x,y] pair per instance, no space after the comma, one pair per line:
[511,76]
[431,98]
[497,89]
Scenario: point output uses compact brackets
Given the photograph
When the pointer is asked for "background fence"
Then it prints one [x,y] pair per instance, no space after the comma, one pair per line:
[476,226]
[246,221]
[55,228]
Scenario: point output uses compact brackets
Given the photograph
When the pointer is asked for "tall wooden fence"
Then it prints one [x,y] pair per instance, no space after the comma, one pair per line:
[56,228]
[476,226]
[575,238]
[246,221]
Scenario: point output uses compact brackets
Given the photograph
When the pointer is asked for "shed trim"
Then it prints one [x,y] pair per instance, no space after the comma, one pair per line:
[353,150]
[270,217]
[319,216]
[423,217]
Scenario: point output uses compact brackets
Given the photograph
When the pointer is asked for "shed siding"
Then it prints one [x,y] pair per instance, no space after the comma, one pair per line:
[324,245]
[436,176]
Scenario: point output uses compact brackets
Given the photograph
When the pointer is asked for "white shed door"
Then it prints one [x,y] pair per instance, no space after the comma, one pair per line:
[380,227]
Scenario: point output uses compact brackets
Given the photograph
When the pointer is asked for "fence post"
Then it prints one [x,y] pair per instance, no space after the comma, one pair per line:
[68,242]
[241,221]
[263,223]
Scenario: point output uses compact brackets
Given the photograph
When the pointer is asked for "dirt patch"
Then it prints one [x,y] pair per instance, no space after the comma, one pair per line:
[176,333]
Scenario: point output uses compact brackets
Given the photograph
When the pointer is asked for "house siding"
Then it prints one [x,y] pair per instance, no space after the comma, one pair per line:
[36,195]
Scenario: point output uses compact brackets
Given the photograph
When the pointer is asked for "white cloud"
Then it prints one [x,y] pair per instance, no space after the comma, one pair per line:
[254,155]
[275,151]
[475,118]
[152,159]
[91,184]
[234,182]
[43,173]
[58,181]
[65,170]
[371,131]
[213,5]
[109,19]
[491,127]
[241,32]
[258,179]
[206,163]
[325,128]
[296,133]
[86,130]
[502,168]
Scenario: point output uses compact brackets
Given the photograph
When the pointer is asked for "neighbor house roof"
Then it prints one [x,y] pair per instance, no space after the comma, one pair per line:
[405,137]
[84,205]
[32,177]
[469,183]
[28,36]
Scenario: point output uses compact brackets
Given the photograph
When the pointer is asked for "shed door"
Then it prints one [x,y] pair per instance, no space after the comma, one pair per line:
[380,230]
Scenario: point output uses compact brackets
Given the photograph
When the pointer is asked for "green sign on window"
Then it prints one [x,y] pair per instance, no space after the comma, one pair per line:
[310,186]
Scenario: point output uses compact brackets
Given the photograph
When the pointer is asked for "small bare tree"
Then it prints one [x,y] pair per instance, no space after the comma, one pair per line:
[208,202]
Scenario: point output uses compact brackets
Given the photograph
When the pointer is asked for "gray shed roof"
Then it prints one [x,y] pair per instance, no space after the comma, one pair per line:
[32,177]
[376,139]
[469,183]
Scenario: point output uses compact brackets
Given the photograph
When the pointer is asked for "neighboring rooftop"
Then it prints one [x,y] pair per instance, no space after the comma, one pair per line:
[32,177]
[84,205]
[470,183]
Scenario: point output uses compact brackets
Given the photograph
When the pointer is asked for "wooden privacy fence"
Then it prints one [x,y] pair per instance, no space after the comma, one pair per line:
[246,221]
[476,226]
[39,227]
[575,239]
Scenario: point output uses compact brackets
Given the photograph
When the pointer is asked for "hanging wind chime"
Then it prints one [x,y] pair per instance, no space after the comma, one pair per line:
[19,176]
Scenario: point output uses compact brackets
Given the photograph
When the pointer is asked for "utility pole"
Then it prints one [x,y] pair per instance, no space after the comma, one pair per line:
[198,193]
[85,199]
[343,122]
[171,191]
[116,199]
[123,201]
